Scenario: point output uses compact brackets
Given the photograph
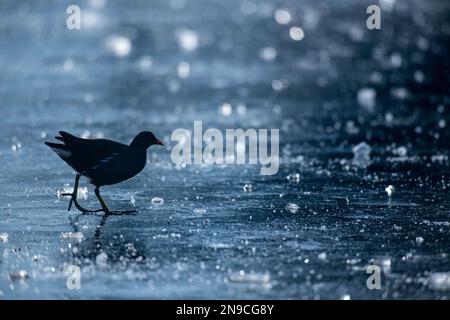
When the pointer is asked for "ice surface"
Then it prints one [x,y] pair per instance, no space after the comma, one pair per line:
[439,281]
[230,64]
[18,275]
[250,278]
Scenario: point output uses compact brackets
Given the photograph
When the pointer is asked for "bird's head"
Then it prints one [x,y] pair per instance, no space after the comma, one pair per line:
[144,140]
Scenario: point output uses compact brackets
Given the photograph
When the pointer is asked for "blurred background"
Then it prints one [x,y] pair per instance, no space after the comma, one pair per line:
[364,141]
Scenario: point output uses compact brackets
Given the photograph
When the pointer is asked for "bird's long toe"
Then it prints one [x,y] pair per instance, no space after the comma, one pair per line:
[120,213]
[81,208]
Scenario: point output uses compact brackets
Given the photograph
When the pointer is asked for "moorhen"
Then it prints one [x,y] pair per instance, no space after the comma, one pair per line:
[103,162]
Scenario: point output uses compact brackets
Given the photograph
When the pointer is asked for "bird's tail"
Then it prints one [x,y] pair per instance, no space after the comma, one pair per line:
[67,138]
[61,149]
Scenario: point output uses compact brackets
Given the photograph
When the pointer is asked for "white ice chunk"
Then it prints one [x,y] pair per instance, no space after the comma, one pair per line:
[292,207]
[157,201]
[390,190]
[361,154]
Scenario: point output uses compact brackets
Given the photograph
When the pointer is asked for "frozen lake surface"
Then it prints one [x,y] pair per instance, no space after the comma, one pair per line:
[160,65]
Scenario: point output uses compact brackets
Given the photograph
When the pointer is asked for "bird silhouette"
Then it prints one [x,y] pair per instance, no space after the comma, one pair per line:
[103,162]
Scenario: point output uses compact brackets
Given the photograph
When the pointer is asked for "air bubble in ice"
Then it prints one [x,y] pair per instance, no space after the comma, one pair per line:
[277,85]
[183,70]
[119,45]
[292,207]
[199,211]
[400,93]
[396,60]
[439,281]
[268,54]
[366,98]
[157,201]
[419,77]
[322,256]
[293,177]
[388,117]
[187,39]
[296,33]
[16,146]
[400,151]
[282,16]
[145,63]
[248,187]
[68,65]
[419,240]
[102,260]
[4,237]
[226,109]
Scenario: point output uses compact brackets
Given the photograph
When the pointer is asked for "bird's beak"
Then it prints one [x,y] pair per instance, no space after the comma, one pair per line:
[159,142]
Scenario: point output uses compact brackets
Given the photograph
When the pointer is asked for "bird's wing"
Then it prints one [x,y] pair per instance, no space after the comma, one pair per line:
[84,154]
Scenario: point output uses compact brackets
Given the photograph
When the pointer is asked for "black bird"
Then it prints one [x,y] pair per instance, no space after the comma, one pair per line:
[103,162]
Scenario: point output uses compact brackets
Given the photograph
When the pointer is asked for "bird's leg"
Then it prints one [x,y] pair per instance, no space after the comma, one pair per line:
[105,207]
[102,202]
[74,195]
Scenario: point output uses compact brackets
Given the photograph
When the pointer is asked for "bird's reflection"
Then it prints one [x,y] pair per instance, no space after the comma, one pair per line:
[96,247]
[90,249]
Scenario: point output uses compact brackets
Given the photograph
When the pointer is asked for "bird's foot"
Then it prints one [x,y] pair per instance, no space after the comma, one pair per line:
[73,199]
[94,212]
[120,213]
